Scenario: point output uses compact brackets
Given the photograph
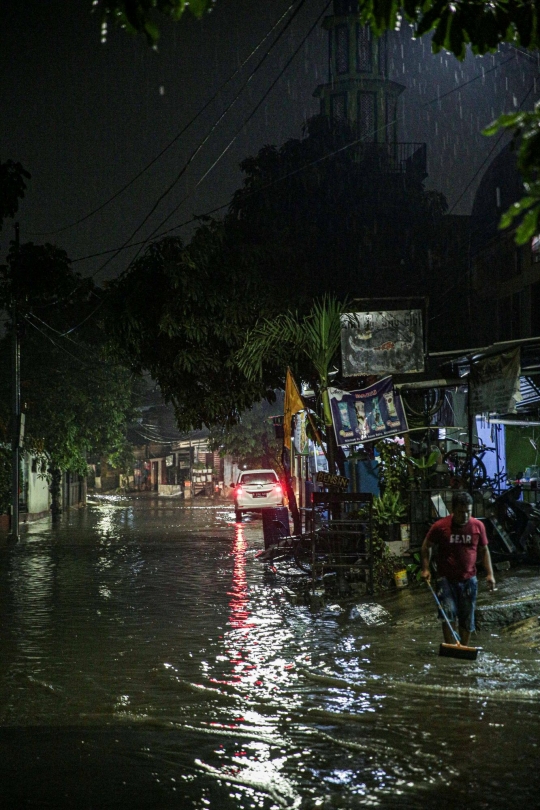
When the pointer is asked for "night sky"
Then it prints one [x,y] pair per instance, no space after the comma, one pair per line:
[84,117]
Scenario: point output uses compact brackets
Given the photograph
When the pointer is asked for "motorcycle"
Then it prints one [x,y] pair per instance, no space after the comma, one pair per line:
[515,527]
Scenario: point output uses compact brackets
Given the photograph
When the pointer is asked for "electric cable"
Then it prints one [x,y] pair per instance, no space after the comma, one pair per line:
[274,182]
[290,174]
[202,143]
[469,81]
[93,370]
[172,142]
[239,130]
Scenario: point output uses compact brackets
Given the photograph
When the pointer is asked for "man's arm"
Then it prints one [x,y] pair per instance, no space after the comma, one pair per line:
[485,559]
[425,557]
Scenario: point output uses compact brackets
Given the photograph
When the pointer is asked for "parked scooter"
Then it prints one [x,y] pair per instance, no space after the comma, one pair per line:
[517,525]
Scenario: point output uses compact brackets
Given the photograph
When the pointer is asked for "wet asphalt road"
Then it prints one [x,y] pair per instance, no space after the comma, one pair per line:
[148,660]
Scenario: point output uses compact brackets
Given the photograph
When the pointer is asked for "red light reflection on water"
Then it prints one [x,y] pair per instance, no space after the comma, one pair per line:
[238,603]
[239,615]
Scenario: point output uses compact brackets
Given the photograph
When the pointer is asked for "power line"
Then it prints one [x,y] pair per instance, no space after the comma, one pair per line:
[84,363]
[172,142]
[209,133]
[284,177]
[470,81]
[477,172]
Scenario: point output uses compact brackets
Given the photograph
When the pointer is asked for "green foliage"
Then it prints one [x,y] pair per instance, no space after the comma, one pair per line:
[336,224]
[252,439]
[316,336]
[526,134]
[414,569]
[458,25]
[389,508]
[385,564]
[393,468]
[139,16]
[76,399]
[182,313]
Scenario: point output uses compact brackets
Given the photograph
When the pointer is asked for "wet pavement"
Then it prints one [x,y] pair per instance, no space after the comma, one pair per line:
[148,660]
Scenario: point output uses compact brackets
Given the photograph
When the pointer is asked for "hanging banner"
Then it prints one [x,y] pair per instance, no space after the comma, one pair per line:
[317,458]
[369,414]
[494,384]
[382,342]
[299,435]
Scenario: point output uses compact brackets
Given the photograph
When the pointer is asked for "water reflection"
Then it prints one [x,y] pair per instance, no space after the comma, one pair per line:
[31,579]
[264,703]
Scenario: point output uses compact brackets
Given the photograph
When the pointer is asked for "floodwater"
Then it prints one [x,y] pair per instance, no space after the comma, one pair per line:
[148,660]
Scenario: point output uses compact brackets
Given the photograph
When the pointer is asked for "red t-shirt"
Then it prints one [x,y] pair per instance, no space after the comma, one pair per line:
[457,547]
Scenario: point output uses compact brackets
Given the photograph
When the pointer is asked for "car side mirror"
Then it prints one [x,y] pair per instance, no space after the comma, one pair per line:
[231,485]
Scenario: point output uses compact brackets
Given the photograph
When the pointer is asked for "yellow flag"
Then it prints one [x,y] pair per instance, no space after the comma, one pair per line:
[293,404]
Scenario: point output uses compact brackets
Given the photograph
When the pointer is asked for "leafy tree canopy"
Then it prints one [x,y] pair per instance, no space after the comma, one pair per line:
[483,26]
[303,224]
[340,219]
[252,439]
[181,313]
[142,16]
[76,400]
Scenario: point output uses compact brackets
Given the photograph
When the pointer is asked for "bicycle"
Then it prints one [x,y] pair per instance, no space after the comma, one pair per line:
[465,460]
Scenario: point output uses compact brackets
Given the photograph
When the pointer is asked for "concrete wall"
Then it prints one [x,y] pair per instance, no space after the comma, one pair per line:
[39,499]
[170,489]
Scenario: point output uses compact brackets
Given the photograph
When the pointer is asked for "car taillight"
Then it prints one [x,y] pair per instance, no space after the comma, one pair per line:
[239,490]
[278,488]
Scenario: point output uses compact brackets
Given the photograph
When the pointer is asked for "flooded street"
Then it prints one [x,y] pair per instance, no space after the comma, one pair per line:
[149,660]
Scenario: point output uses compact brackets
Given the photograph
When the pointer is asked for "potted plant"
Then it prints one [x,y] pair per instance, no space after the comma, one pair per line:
[388,511]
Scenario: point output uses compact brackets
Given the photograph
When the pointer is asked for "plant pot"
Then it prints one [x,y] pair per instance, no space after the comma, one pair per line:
[400,578]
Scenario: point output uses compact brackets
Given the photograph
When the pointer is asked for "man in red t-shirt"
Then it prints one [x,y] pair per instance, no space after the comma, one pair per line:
[460,539]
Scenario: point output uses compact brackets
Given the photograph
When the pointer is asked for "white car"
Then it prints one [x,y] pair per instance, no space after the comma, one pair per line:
[256,489]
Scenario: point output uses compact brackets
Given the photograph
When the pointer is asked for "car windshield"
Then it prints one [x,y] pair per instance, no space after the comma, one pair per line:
[258,478]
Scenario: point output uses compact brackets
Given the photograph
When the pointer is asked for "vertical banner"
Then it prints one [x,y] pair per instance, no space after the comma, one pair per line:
[293,403]
[368,414]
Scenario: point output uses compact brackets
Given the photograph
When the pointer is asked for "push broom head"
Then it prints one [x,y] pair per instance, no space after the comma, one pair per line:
[458,651]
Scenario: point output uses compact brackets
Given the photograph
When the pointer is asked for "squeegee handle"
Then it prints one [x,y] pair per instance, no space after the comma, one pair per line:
[447,620]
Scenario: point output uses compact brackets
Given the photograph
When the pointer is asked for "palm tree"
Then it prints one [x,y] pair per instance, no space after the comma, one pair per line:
[316,336]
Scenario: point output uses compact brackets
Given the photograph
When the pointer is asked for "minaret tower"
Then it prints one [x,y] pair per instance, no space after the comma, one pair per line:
[358,89]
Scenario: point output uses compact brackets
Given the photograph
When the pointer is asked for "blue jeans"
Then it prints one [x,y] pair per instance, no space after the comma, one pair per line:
[458,600]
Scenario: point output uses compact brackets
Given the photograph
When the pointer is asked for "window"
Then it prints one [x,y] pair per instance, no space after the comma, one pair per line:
[342,49]
[338,107]
[366,116]
[363,49]
[258,478]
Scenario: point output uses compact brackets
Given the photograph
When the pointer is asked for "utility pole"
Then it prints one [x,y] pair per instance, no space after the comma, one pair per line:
[16,411]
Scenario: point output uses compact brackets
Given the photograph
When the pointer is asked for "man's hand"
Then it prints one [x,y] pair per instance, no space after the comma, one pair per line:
[426,574]
[490,579]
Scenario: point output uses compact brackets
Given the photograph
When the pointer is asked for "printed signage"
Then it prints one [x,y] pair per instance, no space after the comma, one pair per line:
[389,342]
[328,480]
[494,383]
[368,414]
[300,438]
